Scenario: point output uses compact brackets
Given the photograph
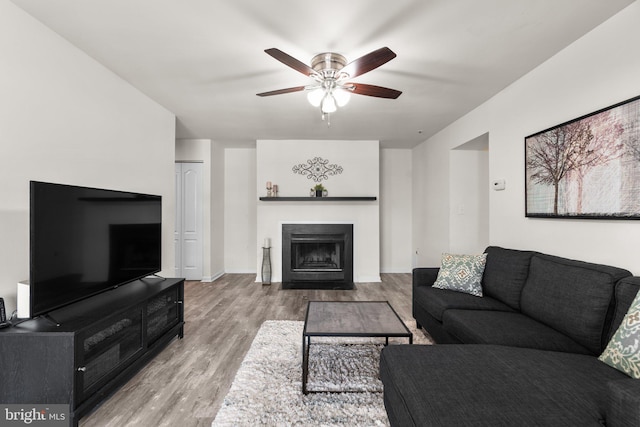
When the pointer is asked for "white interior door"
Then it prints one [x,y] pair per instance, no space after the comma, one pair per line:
[188,230]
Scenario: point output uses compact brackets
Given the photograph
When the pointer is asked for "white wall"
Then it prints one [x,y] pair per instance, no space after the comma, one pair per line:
[217,210]
[211,154]
[240,210]
[394,206]
[65,118]
[360,161]
[469,197]
[596,71]
[430,206]
[395,211]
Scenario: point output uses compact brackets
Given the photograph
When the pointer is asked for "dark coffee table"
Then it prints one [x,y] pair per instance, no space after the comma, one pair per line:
[349,319]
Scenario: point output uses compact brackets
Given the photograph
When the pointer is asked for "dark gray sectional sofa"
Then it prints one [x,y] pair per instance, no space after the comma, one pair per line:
[536,335]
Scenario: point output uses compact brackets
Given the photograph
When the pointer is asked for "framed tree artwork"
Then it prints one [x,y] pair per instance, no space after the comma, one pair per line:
[588,167]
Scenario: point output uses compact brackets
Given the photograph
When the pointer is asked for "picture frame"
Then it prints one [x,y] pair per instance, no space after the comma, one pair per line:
[586,168]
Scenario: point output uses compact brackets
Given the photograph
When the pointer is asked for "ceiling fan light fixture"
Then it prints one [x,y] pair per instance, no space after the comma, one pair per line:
[342,96]
[329,104]
[314,96]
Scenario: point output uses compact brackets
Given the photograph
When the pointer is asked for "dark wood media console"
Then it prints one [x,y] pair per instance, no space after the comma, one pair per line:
[79,354]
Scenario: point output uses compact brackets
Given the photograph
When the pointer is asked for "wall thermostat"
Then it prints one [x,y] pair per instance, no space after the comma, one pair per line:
[498,184]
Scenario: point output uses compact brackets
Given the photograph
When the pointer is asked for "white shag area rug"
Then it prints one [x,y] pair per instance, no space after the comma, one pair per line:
[267,389]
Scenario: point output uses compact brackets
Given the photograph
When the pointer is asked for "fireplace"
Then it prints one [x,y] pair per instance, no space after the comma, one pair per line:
[317,256]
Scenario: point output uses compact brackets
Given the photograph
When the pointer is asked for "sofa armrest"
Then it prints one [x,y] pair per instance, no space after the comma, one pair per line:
[623,403]
[424,276]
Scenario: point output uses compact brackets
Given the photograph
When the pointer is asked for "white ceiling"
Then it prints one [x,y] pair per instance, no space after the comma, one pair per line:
[203,59]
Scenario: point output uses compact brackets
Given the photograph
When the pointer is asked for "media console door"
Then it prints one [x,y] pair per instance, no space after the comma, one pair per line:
[104,349]
[100,343]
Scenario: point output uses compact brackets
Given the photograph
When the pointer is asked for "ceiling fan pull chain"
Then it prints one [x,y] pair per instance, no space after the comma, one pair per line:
[327,117]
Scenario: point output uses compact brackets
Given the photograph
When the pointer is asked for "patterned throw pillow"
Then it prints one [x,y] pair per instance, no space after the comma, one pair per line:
[623,351]
[462,273]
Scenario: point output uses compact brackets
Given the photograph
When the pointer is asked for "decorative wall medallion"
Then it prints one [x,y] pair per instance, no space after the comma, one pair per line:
[317,169]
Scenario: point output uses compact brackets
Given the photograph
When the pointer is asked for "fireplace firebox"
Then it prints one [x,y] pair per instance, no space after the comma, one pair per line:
[317,256]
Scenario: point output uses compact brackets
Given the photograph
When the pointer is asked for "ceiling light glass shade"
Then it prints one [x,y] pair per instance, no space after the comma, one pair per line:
[329,104]
[314,96]
[342,96]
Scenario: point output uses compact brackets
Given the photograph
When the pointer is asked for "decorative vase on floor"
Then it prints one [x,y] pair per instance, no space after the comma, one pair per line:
[266,266]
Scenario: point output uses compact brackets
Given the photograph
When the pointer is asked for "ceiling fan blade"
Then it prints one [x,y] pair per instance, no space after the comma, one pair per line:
[377,91]
[369,62]
[281,91]
[290,61]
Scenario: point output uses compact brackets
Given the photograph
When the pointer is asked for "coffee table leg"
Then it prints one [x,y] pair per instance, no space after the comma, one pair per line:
[306,341]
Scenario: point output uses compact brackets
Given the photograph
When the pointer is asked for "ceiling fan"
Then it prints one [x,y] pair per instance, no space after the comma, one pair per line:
[331,73]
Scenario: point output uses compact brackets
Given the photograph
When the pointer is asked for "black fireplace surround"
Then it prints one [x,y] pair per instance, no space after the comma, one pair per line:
[317,256]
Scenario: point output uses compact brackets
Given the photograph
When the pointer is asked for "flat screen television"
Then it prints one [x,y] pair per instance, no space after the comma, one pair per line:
[84,241]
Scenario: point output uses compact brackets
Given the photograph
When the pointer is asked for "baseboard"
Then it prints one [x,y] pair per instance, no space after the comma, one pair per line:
[241,271]
[216,276]
[367,279]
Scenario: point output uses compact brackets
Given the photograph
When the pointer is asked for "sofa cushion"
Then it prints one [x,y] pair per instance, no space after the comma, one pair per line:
[623,403]
[504,328]
[622,352]
[505,274]
[461,273]
[485,385]
[425,320]
[572,297]
[435,301]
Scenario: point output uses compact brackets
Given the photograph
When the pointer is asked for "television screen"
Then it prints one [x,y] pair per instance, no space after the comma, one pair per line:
[87,240]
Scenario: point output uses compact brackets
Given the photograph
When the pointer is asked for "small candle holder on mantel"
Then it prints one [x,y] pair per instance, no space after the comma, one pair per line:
[272,189]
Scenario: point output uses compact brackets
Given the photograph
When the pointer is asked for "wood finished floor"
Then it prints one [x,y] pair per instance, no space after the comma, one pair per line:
[187,382]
